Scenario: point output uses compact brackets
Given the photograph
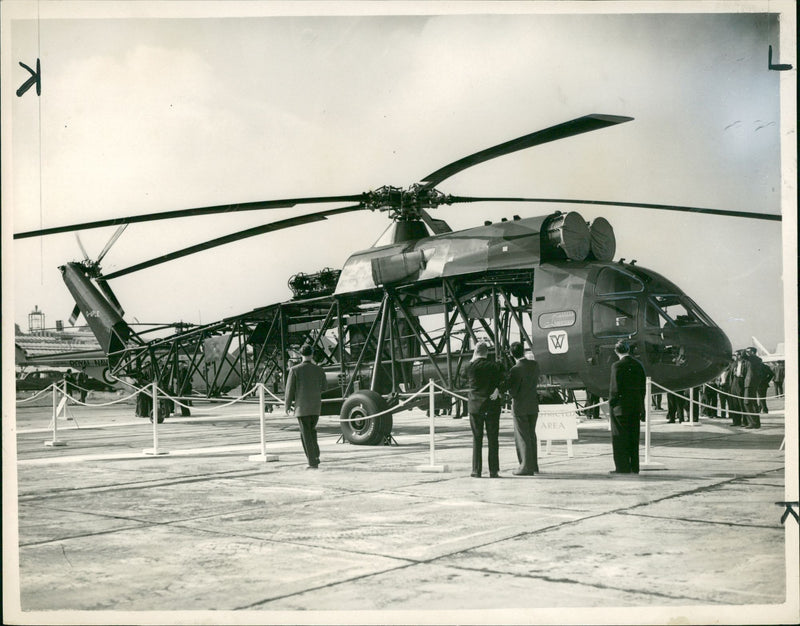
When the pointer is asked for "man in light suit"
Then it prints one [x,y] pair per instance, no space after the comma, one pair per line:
[626,402]
[304,386]
[521,382]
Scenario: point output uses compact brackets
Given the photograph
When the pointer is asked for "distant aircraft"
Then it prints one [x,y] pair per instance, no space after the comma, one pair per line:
[767,356]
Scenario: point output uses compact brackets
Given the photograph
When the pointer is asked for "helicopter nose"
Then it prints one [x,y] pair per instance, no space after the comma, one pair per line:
[707,351]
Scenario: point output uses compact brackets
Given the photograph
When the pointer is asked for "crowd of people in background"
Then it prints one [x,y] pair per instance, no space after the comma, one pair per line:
[739,393]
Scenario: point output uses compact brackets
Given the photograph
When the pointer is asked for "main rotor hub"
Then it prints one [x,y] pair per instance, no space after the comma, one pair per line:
[404,204]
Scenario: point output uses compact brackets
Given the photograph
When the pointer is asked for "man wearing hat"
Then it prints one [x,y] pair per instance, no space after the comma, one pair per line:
[626,403]
[304,386]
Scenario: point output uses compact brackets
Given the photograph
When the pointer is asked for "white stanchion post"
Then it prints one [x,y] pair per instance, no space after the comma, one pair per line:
[431,410]
[55,441]
[648,462]
[154,451]
[263,457]
[648,392]
[694,406]
[431,413]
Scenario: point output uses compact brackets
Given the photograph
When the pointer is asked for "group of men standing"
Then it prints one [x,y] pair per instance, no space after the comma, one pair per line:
[487,383]
[746,377]
[77,383]
[743,388]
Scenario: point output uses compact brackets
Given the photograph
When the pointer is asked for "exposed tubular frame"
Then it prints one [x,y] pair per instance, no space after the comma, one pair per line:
[381,339]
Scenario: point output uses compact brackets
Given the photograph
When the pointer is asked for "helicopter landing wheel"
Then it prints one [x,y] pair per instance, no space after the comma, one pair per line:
[358,430]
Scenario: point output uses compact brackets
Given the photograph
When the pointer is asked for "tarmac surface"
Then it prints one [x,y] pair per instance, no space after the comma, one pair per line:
[372,537]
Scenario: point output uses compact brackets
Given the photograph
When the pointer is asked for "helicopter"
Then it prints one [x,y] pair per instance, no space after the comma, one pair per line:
[400,314]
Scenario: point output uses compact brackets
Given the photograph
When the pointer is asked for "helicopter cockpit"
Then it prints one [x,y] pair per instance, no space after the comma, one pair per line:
[675,339]
[678,340]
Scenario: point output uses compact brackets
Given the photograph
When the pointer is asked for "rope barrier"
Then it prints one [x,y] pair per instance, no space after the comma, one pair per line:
[708,406]
[174,399]
[37,394]
[117,401]
[447,391]
[730,395]
[392,409]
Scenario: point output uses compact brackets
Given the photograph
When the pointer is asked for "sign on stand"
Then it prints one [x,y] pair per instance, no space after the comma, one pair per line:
[557,422]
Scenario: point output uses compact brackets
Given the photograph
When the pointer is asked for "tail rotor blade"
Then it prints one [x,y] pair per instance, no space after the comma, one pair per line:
[111,242]
[76,311]
[80,245]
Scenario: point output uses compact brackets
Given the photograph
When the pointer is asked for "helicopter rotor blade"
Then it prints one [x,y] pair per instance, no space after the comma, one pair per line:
[80,245]
[219,241]
[577,126]
[210,210]
[111,241]
[637,205]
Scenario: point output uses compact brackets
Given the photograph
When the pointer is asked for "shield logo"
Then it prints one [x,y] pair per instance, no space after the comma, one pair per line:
[557,342]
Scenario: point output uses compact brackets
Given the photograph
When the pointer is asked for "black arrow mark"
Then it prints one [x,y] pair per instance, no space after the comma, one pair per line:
[789,509]
[35,79]
[780,67]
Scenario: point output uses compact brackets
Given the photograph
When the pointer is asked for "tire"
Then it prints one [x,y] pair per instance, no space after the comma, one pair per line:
[370,432]
[107,378]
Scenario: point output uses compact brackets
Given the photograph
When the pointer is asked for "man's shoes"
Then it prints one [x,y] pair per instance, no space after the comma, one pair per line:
[670,421]
[517,472]
[475,475]
[618,472]
[495,475]
[313,467]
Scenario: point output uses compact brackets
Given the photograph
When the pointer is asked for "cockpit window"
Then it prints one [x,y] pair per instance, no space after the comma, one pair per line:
[611,281]
[654,317]
[615,318]
[681,311]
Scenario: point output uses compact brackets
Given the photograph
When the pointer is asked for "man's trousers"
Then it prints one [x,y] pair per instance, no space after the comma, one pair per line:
[491,419]
[308,435]
[625,443]
[525,440]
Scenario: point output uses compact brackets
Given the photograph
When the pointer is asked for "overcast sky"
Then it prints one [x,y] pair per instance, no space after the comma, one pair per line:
[143,114]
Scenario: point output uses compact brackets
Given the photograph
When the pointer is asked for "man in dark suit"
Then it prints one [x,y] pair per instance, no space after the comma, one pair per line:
[521,382]
[626,402]
[736,401]
[485,378]
[752,382]
[304,386]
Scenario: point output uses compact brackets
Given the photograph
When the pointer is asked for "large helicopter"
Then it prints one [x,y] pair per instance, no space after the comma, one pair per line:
[399,314]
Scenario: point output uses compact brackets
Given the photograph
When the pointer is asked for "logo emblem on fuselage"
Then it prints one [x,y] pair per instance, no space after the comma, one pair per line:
[557,342]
